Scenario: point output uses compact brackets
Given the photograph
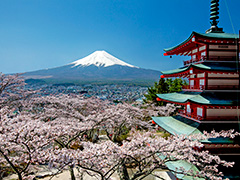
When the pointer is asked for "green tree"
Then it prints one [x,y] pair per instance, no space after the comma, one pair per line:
[158,88]
[164,86]
[175,85]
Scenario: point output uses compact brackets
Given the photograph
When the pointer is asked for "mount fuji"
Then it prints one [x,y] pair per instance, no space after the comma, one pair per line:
[100,58]
[99,67]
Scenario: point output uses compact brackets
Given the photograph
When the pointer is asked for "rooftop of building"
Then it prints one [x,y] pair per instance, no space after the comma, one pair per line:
[203,98]
[212,35]
[213,66]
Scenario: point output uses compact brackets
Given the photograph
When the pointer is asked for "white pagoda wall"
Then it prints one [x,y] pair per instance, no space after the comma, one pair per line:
[223,82]
[222,50]
[222,54]
[223,75]
[223,47]
[223,79]
[222,112]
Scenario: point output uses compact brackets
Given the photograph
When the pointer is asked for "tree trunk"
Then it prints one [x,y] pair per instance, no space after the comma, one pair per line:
[19,176]
[72,173]
[123,173]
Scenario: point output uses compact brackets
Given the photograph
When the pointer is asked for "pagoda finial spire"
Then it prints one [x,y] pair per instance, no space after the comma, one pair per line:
[214,12]
[214,17]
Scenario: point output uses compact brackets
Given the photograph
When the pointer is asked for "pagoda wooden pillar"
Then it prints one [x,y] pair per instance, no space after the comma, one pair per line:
[206,80]
[237,43]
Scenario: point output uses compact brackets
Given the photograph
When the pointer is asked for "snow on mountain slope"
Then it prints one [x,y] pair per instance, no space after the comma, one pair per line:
[100,58]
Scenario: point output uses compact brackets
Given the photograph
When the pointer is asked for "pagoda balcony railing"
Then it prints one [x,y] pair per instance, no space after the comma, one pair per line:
[222,87]
[197,60]
[222,58]
[193,87]
[200,88]
[185,114]
[222,118]
[211,58]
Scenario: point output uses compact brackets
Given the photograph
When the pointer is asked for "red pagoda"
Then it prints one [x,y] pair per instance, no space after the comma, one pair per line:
[211,100]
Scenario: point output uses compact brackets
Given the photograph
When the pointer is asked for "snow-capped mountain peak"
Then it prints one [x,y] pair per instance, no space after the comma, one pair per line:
[100,58]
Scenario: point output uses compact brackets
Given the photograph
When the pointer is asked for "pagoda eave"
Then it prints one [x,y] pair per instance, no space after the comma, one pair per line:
[207,67]
[174,126]
[196,39]
[182,49]
[201,98]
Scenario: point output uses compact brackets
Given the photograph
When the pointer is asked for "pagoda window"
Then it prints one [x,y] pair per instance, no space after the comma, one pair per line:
[202,82]
[191,84]
[202,48]
[203,54]
[201,75]
[195,50]
[194,57]
[188,109]
[200,111]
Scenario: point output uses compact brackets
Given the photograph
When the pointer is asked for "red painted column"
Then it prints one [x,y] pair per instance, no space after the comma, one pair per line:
[238,41]
[206,80]
[204,112]
[207,51]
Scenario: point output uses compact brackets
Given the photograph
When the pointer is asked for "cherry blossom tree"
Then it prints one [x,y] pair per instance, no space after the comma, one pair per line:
[66,122]
[143,153]
[21,138]
[63,131]
[15,145]
[12,90]
[75,119]
[115,119]
[134,152]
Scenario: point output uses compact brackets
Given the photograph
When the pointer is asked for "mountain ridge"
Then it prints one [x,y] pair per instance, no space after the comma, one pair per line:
[103,68]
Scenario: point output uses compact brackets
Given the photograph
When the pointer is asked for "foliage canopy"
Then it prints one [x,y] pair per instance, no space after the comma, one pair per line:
[164,86]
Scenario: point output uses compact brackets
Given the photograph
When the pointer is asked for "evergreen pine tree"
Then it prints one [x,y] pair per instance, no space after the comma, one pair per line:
[158,88]
[164,86]
[176,85]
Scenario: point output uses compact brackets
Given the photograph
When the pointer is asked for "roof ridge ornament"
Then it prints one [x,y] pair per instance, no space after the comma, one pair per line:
[213,17]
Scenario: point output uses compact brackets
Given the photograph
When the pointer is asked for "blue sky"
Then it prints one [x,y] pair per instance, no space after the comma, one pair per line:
[39,34]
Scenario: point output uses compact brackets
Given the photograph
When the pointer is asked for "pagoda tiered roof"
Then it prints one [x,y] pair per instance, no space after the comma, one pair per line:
[174,125]
[195,38]
[204,98]
[179,125]
[206,66]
